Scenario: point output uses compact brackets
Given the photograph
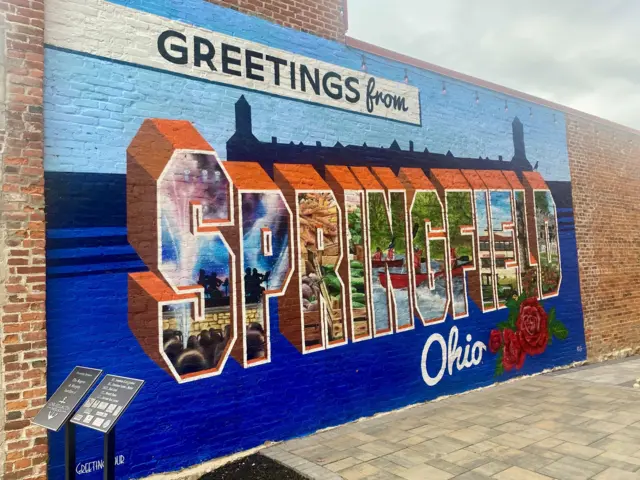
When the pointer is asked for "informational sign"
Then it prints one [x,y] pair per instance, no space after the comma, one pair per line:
[108,401]
[66,398]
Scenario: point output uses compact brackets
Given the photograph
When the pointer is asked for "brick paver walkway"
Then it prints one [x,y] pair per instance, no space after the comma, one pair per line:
[574,424]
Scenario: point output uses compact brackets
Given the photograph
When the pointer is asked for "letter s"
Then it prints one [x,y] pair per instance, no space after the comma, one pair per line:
[178,199]
[349,85]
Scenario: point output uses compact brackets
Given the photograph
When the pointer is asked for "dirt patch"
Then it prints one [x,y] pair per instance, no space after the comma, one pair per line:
[253,467]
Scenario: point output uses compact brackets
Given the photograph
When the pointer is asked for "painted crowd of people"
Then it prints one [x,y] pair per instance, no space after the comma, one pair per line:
[205,350]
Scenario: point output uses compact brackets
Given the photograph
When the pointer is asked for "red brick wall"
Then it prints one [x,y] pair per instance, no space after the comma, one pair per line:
[325,18]
[23,352]
[605,177]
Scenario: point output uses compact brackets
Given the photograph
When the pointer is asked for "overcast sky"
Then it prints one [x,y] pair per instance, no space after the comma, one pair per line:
[580,53]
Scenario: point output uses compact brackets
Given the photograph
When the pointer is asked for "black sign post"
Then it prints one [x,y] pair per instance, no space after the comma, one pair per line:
[58,410]
[103,409]
[69,451]
[110,455]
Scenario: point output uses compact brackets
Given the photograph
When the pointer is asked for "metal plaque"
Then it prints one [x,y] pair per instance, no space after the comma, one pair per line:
[66,398]
[107,403]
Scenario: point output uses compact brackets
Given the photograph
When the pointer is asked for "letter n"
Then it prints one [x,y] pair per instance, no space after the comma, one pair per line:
[386,249]
[403,293]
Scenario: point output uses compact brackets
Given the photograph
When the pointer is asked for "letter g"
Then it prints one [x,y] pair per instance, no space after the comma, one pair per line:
[182,59]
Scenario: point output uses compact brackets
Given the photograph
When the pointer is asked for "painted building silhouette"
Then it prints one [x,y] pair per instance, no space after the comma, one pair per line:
[244,146]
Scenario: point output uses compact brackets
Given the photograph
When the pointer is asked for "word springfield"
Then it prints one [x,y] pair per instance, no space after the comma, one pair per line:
[351,255]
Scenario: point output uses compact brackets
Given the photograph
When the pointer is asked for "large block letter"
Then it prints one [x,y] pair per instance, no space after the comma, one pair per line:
[482,283]
[262,236]
[178,196]
[503,236]
[313,313]
[429,244]
[526,255]
[458,199]
[401,280]
[543,231]
[355,271]
[386,250]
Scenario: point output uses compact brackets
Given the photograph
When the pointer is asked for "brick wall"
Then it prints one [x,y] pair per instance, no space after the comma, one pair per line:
[326,18]
[606,194]
[23,451]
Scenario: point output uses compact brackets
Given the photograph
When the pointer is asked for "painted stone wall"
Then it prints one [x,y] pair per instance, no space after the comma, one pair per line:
[297,226]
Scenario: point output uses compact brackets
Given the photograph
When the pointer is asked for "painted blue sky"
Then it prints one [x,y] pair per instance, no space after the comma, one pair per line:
[500,209]
[93,107]
[481,213]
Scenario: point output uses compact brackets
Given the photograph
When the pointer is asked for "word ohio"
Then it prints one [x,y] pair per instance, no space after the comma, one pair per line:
[351,255]
[451,355]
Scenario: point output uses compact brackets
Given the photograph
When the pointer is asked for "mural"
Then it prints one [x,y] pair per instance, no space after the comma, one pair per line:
[271,266]
[473,257]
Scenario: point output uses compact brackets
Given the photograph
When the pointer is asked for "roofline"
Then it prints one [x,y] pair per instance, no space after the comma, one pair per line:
[391,55]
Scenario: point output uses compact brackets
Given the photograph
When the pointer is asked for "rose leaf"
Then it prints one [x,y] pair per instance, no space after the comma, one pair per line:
[559,330]
[499,366]
[503,325]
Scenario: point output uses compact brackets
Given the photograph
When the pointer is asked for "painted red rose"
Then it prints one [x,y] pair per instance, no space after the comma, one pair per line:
[513,356]
[495,341]
[532,326]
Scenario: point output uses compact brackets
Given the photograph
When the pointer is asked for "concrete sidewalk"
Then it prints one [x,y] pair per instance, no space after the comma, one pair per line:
[574,424]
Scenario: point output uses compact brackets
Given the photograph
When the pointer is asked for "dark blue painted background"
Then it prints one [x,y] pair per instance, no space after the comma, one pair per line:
[171,426]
